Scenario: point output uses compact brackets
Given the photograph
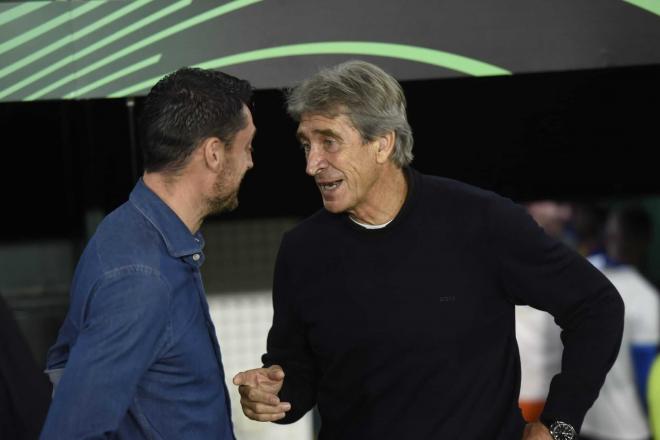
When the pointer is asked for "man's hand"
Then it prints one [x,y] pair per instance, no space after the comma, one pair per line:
[536,431]
[258,389]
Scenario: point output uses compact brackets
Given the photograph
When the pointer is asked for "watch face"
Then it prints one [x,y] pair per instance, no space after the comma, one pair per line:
[562,431]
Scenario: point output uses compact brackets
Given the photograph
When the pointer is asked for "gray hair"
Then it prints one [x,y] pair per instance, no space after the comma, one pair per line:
[372,99]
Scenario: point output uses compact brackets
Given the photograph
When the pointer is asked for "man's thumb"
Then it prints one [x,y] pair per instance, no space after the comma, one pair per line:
[275,372]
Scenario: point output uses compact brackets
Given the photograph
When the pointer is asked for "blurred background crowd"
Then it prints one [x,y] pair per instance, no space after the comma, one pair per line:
[616,239]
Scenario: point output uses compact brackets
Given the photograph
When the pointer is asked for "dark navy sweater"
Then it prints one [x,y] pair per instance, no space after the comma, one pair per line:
[408,332]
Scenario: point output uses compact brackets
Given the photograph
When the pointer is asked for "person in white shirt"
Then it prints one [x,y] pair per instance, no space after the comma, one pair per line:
[619,412]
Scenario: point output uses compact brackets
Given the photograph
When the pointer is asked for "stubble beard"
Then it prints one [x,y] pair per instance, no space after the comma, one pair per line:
[225,200]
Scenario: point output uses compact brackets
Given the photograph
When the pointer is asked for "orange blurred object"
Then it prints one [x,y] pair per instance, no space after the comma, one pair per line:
[531,409]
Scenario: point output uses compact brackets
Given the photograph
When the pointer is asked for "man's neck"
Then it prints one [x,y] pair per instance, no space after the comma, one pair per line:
[386,199]
[180,195]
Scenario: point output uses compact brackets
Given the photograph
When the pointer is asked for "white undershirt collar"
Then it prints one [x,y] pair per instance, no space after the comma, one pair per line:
[367,226]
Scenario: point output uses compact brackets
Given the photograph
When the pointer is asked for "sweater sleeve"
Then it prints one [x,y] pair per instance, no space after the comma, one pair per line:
[540,271]
[287,344]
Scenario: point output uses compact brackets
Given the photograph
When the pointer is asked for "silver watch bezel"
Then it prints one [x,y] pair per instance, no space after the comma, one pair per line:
[558,431]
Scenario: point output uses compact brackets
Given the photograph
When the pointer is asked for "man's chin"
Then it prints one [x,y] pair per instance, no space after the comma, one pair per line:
[333,207]
[227,205]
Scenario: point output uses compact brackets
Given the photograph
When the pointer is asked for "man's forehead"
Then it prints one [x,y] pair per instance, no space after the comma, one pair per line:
[311,123]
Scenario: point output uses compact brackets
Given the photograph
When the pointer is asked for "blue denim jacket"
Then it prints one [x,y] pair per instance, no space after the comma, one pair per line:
[138,349]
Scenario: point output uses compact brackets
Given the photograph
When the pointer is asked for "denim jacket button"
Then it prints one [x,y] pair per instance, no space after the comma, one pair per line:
[196,257]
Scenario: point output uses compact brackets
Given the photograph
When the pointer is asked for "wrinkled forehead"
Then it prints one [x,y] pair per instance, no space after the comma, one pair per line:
[327,109]
[318,122]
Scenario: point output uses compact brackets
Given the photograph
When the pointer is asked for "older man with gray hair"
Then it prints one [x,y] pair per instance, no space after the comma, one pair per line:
[394,305]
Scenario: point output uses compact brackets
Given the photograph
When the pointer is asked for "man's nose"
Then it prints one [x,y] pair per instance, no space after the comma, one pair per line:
[315,161]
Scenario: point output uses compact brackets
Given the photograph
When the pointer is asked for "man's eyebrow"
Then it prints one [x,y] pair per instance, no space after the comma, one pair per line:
[328,132]
[320,131]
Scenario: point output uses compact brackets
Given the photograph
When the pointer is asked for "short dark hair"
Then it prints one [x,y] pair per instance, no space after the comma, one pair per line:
[186,107]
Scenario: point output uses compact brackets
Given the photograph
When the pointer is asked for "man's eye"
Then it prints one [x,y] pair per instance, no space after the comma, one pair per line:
[305,147]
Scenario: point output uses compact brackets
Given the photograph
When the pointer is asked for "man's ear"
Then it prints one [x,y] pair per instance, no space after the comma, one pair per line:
[385,146]
[213,151]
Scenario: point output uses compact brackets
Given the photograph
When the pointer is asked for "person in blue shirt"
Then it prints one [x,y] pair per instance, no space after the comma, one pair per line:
[137,356]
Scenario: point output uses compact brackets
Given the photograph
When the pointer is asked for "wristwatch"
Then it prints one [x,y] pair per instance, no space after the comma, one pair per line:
[561,430]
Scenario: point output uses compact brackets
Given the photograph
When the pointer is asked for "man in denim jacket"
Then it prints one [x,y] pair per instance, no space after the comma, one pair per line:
[137,355]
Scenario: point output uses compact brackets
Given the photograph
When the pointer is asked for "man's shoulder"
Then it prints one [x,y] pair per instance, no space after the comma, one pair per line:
[123,253]
[124,238]
[467,208]
[460,198]
[434,186]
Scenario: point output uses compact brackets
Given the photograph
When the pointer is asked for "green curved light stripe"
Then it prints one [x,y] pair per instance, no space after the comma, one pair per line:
[48,26]
[20,10]
[132,6]
[652,6]
[434,57]
[94,47]
[116,75]
[424,55]
[213,13]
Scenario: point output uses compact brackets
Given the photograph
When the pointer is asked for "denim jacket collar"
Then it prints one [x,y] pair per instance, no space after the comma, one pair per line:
[179,240]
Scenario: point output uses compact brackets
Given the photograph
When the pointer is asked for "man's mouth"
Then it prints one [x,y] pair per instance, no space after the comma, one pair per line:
[330,185]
